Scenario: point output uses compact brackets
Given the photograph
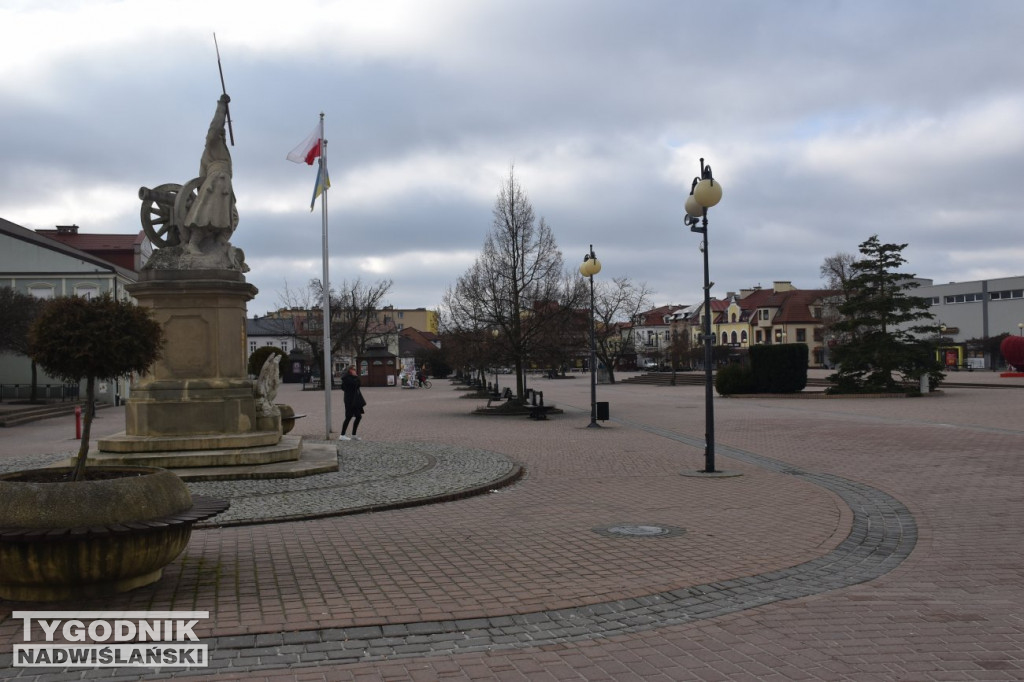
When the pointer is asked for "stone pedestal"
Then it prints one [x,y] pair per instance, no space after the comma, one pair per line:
[199,387]
[197,407]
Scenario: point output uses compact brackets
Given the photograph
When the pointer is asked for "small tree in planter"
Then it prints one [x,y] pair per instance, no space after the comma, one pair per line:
[93,338]
[94,535]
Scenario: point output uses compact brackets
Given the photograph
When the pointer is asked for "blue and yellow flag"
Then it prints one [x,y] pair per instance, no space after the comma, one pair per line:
[323,182]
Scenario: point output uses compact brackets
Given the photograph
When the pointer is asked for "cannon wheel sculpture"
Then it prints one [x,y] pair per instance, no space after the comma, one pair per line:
[164,209]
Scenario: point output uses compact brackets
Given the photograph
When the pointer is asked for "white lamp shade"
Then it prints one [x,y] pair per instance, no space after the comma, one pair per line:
[707,192]
[590,267]
[693,209]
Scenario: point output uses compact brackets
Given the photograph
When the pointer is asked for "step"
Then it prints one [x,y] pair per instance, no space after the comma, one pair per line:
[17,415]
[318,457]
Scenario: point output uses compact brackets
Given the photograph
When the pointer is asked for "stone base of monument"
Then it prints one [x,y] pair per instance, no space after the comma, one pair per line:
[290,457]
[197,412]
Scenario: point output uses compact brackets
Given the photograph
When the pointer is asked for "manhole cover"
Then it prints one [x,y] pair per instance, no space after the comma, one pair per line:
[639,530]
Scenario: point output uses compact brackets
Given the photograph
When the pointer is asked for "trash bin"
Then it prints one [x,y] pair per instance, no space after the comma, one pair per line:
[602,411]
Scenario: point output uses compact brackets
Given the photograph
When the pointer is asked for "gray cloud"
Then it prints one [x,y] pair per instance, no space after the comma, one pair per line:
[826,122]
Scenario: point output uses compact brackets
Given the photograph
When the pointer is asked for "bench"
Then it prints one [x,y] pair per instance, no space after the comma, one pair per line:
[538,410]
[504,395]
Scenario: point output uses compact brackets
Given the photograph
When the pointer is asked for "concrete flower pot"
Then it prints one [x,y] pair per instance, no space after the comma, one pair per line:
[111,533]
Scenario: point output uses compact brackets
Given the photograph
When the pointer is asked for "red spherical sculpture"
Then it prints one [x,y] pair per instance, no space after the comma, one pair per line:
[1012,349]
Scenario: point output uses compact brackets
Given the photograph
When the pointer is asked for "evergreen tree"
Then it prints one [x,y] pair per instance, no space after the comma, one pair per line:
[881,347]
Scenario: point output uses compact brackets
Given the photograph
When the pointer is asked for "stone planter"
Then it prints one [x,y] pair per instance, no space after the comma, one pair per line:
[114,533]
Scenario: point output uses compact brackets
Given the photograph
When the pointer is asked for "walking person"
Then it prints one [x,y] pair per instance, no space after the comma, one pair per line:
[354,403]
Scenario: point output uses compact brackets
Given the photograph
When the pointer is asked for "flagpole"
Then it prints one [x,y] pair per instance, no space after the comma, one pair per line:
[328,378]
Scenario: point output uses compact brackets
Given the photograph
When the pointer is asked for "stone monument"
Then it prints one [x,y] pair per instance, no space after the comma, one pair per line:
[197,412]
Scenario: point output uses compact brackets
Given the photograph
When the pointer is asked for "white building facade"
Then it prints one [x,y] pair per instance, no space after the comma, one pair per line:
[978,309]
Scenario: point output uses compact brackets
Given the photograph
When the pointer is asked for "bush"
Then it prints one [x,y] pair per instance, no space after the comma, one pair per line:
[779,368]
[734,378]
[259,357]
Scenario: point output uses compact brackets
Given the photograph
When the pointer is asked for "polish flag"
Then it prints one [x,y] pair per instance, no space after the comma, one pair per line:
[309,149]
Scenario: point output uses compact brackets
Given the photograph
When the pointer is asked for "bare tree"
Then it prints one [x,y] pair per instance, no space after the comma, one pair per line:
[836,271]
[518,286]
[355,312]
[356,320]
[469,342]
[616,302]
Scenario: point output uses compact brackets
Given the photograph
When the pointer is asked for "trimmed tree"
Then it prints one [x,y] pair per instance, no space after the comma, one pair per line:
[18,310]
[259,358]
[94,338]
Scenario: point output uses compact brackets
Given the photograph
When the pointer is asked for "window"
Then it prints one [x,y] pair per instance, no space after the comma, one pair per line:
[732,318]
[801,336]
[734,338]
[760,336]
[252,347]
[725,339]
[1006,295]
[284,346]
[764,314]
[743,337]
[87,291]
[816,312]
[41,290]
[964,298]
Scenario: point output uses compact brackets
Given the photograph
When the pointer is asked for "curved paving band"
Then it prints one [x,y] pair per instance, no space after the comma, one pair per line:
[882,535]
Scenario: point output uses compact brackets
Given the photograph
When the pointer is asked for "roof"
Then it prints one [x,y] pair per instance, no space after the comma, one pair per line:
[376,352]
[269,326]
[96,242]
[655,317]
[16,231]
[412,340]
[790,306]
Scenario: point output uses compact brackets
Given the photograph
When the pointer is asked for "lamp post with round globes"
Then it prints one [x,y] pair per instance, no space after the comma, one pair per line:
[591,266]
[1020,326]
[705,192]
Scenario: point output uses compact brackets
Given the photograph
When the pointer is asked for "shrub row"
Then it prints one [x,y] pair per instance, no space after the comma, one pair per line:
[778,368]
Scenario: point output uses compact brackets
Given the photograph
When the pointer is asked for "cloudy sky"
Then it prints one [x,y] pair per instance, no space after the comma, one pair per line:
[825,121]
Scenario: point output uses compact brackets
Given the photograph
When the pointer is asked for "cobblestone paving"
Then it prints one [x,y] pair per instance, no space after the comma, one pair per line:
[370,476]
[865,540]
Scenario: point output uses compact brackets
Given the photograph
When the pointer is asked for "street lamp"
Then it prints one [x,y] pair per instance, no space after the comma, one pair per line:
[494,333]
[705,192]
[591,266]
[1020,326]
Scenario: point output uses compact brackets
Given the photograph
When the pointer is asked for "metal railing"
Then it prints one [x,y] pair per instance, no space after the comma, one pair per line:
[61,392]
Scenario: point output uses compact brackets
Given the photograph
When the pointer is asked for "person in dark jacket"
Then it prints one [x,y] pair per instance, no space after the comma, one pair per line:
[354,403]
